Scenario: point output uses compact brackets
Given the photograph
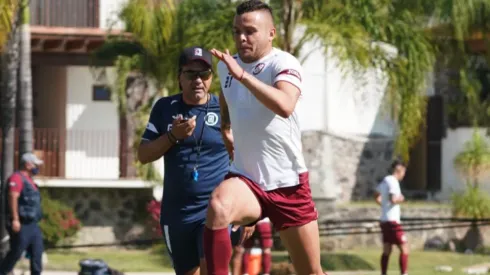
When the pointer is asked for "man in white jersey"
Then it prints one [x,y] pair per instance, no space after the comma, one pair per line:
[389,196]
[261,86]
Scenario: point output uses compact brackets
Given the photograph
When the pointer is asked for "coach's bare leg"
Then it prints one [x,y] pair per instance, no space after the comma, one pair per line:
[202,267]
[303,245]
[194,271]
[232,202]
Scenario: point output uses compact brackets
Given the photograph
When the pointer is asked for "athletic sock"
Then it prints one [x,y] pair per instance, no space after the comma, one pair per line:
[384,263]
[266,263]
[245,261]
[217,250]
[403,263]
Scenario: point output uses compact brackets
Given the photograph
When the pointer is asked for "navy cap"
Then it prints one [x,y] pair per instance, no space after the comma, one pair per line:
[195,53]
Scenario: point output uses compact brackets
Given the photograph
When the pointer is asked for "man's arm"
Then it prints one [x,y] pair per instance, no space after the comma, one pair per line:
[377,198]
[154,143]
[151,150]
[281,99]
[14,205]
[396,196]
[226,125]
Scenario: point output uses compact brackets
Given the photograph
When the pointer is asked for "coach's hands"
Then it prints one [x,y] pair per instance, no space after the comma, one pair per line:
[230,62]
[182,129]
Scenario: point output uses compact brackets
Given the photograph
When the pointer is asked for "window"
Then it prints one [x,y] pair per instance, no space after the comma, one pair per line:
[101,93]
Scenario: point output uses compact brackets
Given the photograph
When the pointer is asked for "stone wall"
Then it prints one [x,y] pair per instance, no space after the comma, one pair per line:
[350,166]
[108,214]
[417,239]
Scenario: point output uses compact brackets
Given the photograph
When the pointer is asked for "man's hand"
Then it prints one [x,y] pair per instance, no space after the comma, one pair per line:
[230,62]
[246,232]
[16,226]
[183,129]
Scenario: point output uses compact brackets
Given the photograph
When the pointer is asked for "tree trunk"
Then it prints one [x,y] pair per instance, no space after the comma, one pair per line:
[137,97]
[25,90]
[8,93]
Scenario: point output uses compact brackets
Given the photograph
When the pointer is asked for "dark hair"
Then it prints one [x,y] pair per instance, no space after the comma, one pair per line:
[395,164]
[252,5]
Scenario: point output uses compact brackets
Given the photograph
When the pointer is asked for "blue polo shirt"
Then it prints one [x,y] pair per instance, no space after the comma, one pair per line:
[184,200]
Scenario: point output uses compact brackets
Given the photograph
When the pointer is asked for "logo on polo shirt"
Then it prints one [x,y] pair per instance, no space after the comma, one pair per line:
[211,119]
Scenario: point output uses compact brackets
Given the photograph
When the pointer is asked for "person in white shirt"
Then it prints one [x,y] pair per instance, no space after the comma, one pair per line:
[389,196]
[261,87]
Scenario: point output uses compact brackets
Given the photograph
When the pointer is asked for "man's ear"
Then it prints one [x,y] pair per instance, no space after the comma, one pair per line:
[272,34]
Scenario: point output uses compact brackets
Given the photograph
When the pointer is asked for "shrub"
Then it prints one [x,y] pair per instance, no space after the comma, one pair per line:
[153,208]
[473,203]
[59,224]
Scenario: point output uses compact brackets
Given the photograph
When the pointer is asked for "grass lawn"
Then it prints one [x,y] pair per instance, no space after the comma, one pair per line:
[408,204]
[122,260]
[420,263]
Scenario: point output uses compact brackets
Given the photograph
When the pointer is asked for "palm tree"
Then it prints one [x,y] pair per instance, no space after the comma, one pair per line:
[9,39]
[148,55]
[24,110]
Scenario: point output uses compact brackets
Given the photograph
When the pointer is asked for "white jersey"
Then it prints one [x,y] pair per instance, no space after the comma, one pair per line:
[389,211]
[267,147]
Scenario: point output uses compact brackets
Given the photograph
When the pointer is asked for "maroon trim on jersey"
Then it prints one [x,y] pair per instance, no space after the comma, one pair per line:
[290,72]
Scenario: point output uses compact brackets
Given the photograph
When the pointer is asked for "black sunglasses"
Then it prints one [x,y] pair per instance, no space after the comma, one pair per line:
[192,75]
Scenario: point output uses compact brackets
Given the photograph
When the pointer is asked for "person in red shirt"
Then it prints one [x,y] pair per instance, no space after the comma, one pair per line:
[24,213]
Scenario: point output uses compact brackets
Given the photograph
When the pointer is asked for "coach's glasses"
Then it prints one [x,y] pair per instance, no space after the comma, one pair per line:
[192,75]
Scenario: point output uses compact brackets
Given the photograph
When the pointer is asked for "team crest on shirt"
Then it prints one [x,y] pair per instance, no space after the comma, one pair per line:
[211,119]
[258,68]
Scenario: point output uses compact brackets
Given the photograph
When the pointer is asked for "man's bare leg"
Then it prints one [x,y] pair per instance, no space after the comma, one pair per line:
[237,260]
[232,202]
[303,245]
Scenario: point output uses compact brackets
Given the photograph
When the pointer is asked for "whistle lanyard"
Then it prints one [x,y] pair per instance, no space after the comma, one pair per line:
[198,143]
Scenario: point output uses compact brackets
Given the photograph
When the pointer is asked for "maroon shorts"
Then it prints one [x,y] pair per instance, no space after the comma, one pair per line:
[286,207]
[263,232]
[393,233]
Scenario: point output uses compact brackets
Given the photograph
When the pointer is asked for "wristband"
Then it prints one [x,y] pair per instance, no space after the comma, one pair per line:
[172,138]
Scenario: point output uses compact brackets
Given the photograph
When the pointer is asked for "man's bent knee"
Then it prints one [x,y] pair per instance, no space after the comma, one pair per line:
[219,211]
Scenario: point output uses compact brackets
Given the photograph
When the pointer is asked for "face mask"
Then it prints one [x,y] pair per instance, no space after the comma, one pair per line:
[35,171]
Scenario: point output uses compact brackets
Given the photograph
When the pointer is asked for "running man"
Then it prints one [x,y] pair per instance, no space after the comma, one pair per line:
[268,177]
[389,196]
[185,130]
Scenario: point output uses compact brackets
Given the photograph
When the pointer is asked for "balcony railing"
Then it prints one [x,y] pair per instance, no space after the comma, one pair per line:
[65,13]
[77,154]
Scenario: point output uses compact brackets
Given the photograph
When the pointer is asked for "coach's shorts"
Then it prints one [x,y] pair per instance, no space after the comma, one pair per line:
[393,233]
[286,207]
[185,245]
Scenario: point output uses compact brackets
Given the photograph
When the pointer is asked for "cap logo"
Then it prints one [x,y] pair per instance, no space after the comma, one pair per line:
[198,51]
